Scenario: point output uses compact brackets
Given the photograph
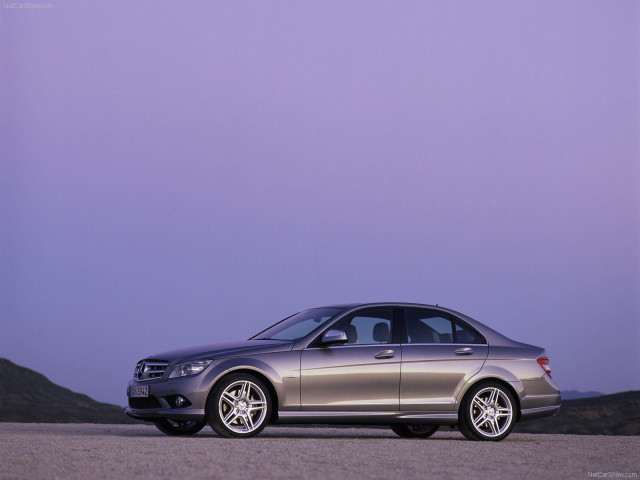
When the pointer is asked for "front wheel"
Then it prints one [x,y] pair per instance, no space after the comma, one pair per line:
[414,431]
[488,412]
[239,406]
[179,427]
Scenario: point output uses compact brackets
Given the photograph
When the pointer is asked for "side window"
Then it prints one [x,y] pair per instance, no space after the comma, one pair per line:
[428,326]
[465,334]
[368,327]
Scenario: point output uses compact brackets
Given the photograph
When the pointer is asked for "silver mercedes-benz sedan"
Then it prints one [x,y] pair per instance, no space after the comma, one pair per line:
[412,367]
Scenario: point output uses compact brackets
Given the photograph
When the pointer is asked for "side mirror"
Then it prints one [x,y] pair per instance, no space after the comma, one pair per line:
[334,335]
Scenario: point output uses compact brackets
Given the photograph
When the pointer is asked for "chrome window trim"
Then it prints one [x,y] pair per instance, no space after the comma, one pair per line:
[355,345]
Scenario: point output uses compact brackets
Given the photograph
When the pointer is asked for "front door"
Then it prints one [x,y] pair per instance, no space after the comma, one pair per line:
[360,375]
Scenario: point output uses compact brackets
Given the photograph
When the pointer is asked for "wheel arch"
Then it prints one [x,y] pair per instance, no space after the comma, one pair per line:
[256,373]
[491,379]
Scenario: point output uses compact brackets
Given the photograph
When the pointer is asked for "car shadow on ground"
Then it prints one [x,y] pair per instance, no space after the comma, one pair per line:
[282,432]
[303,434]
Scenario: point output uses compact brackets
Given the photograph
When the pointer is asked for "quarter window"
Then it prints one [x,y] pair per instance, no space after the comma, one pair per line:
[465,335]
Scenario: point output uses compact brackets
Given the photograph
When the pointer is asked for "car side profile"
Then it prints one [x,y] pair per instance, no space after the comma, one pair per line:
[410,366]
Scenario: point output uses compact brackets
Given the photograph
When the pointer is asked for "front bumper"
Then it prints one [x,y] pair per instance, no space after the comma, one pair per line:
[161,400]
[171,413]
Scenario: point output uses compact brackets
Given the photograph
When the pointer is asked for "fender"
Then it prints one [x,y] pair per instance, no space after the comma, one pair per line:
[281,369]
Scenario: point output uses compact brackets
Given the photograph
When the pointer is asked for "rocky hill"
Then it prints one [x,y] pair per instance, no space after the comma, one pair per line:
[28,396]
[574,394]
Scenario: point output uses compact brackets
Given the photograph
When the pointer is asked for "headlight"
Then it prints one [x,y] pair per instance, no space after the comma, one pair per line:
[189,369]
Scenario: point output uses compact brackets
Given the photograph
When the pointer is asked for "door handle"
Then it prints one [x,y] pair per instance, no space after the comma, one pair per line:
[464,351]
[384,354]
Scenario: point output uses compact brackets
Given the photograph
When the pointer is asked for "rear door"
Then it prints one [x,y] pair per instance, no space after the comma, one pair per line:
[440,353]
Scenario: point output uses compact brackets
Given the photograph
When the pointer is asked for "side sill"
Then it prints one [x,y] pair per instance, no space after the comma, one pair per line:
[368,418]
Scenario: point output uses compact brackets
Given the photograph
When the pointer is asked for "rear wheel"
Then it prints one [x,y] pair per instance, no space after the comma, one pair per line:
[414,431]
[240,406]
[488,412]
[179,427]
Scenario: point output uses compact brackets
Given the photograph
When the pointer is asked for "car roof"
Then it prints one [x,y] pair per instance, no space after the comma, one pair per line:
[377,304]
[350,306]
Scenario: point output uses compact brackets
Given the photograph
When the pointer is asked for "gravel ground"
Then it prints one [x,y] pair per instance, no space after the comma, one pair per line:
[69,451]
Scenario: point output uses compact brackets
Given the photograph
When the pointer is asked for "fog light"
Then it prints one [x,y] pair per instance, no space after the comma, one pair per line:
[179,401]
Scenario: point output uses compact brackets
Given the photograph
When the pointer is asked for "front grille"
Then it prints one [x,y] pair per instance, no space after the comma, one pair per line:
[149,369]
[144,402]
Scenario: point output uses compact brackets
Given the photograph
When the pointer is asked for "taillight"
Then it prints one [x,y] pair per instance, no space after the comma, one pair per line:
[544,363]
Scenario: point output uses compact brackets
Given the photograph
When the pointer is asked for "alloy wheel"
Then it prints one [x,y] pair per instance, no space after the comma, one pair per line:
[491,412]
[242,407]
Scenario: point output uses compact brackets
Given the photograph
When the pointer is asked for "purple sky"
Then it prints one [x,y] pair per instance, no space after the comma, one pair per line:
[179,173]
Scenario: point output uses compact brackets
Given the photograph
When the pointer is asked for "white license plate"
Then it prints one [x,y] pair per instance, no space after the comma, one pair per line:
[136,391]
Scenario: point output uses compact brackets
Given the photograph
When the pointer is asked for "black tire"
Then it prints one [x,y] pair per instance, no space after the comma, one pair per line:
[245,409]
[488,412]
[465,431]
[414,431]
[179,427]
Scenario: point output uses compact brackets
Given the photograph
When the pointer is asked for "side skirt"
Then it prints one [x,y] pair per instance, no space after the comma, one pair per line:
[368,418]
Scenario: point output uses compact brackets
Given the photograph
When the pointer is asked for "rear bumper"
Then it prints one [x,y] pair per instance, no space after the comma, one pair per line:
[542,399]
[539,412]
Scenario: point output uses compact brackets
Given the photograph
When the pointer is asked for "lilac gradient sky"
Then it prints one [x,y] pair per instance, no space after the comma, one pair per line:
[179,173]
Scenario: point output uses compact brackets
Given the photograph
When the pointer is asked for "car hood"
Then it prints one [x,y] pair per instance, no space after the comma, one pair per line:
[222,350]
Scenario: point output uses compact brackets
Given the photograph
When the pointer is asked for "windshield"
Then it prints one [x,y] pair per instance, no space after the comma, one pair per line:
[298,325]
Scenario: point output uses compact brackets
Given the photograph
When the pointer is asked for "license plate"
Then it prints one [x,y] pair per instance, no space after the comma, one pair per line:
[136,391]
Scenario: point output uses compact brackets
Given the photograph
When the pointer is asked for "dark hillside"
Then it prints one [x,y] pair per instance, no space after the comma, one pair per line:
[616,414]
[28,396]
